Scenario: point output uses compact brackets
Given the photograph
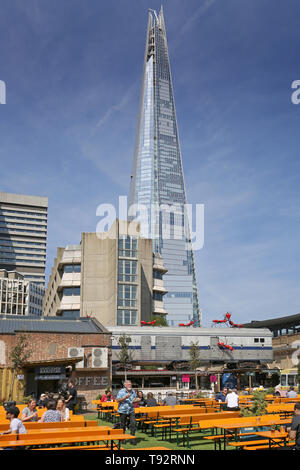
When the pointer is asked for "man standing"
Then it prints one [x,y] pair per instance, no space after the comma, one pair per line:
[72,399]
[126,399]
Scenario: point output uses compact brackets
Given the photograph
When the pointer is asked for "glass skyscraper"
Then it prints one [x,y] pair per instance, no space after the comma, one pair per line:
[157,182]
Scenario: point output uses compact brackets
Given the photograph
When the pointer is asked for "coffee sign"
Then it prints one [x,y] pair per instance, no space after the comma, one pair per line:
[90,381]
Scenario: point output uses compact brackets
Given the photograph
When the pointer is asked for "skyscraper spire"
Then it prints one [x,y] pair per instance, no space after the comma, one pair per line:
[157,181]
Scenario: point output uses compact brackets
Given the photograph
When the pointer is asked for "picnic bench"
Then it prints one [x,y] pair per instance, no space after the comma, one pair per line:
[75,436]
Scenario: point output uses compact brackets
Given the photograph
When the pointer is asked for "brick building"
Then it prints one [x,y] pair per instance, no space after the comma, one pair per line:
[60,349]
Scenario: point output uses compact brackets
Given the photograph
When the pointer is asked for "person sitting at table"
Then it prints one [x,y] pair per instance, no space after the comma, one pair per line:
[43,401]
[52,415]
[150,401]
[142,401]
[291,393]
[16,425]
[170,400]
[30,412]
[107,396]
[64,411]
[232,401]
[294,430]
[221,397]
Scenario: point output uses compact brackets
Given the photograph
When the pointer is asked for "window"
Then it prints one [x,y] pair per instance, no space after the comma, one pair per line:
[127,295]
[127,271]
[128,247]
[70,314]
[283,380]
[256,340]
[157,275]
[72,268]
[127,317]
[291,378]
[71,291]
[157,296]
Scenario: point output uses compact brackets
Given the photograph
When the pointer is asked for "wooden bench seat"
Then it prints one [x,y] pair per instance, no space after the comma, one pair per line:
[259,444]
[85,447]
[151,448]
[217,438]
[266,447]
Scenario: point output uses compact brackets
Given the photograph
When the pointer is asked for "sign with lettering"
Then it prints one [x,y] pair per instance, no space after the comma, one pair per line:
[50,373]
[50,370]
[91,381]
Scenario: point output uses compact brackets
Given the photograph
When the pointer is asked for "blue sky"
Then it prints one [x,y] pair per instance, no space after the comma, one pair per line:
[73,74]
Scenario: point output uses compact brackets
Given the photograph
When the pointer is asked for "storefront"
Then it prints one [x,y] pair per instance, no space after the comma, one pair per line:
[47,376]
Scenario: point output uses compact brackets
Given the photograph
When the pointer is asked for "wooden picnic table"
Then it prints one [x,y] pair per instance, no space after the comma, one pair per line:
[230,428]
[193,418]
[82,430]
[45,426]
[280,436]
[67,438]
[175,414]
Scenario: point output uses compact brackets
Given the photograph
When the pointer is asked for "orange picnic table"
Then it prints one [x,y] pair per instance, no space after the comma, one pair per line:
[24,440]
[231,427]
[281,438]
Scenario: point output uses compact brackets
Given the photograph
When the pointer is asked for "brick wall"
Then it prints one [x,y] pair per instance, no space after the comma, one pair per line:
[54,346]
[51,346]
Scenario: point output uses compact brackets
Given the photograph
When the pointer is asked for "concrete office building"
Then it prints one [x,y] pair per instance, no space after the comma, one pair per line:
[112,276]
[19,296]
[23,235]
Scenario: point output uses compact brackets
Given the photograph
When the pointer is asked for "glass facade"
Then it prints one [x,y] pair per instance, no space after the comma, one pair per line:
[23,235]
[157,181]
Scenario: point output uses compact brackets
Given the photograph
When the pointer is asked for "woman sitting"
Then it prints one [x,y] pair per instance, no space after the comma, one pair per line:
[64,411]
[52,415]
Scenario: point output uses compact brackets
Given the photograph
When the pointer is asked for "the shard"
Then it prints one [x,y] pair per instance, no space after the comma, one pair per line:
[157,181]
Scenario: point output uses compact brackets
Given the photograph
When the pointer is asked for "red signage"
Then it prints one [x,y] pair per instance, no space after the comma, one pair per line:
[185,378]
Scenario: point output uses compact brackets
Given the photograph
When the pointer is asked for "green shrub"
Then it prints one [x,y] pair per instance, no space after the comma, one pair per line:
[259,406]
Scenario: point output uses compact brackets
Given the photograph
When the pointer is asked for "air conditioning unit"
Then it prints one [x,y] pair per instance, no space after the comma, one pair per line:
[100,358]
[77,352]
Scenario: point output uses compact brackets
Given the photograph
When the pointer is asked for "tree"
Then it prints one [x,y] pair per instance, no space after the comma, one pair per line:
[160,320]
[194,361]
[18,356]
[259,406]
[125,355]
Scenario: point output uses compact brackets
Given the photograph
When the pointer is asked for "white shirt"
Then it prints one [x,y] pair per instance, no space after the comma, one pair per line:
[67,414]
[232,400]
[16,425]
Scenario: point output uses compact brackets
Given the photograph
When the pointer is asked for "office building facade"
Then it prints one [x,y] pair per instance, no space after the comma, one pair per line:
[112,276]
[23,235]
[157,181]
[19,296]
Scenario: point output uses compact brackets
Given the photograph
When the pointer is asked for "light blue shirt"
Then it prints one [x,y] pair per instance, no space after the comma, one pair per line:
[126,406]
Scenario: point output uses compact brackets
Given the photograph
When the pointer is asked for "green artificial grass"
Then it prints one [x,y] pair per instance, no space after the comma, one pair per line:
[196,439]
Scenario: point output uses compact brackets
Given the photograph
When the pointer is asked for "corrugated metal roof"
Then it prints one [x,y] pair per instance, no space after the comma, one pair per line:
[10,324]
[275,322]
